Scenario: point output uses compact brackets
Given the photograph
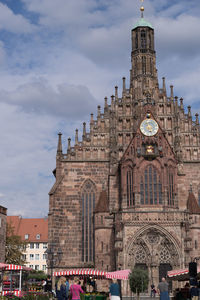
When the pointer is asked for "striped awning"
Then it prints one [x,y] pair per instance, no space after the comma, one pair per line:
[120,274]
[13,267]
[79,272]
[173,273]
[180,274]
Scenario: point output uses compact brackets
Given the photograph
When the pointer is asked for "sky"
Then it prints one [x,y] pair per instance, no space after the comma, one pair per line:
[58,60]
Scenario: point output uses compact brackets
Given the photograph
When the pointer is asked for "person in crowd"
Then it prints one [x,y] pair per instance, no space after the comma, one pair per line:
[199,289]
[186,291]
[194,292]
[48,285]
[61,293]
[75,289]
[153,290]
[163,290]
[67,288]
[178,294]
[114,291]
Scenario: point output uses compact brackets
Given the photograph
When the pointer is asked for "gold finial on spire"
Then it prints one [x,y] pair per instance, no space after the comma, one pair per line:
[142,9]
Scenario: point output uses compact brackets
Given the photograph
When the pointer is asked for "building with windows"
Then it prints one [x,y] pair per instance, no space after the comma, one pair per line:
[35,233]
[127,193]
[3,215]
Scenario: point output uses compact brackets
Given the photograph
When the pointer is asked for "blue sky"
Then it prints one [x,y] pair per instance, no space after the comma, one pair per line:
[58,60]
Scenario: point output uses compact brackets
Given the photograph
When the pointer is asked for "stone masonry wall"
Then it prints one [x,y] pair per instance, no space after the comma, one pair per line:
[65,208]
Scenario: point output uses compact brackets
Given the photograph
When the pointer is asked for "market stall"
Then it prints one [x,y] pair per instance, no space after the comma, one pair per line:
[120,274]
[88,278]
[181,274]
[12,278]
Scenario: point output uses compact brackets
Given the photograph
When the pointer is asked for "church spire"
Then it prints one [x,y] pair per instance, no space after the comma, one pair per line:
[143,73]
[142,10]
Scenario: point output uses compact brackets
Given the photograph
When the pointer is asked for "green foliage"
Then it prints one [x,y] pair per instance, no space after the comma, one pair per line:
[138,280]
[38,275]
[14,247]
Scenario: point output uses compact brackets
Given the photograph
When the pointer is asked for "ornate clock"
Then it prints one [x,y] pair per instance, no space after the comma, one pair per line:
[149,127]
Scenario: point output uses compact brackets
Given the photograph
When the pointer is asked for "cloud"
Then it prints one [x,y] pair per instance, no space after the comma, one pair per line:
[69,101]
[27,153]
[12,22]
[54,77]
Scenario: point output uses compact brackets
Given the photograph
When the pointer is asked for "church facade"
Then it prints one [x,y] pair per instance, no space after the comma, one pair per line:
[127,193]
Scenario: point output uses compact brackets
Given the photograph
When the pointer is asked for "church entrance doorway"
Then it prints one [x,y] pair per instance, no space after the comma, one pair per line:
[163,269]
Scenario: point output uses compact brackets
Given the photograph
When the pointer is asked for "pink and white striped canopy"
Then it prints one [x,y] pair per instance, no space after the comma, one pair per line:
[13,267]
[79,272]
[176,274]
[120,274]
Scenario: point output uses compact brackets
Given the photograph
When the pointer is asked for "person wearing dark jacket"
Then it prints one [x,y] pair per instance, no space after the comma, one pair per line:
[61,292]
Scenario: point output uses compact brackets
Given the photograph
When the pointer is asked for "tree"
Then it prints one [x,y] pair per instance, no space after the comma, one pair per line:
[14,247]
[138,281]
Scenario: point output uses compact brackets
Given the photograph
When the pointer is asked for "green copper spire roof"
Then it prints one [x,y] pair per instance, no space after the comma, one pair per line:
[142,23]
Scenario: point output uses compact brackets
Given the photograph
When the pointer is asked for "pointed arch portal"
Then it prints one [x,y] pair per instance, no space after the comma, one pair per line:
[155,249]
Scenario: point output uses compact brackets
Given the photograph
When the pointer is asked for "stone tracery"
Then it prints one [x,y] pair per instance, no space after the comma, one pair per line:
[152,247]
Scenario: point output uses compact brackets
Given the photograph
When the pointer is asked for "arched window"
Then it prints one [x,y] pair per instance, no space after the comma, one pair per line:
[143,39]
[199,197]
[150,187]
[136,40]
[143,65]
[129,188]
[171,187]
[136,66]
[88,206]
[151,66]
[149,41]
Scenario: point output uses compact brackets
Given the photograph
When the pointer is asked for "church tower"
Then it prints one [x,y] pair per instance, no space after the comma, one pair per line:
[127,193]
[143,81]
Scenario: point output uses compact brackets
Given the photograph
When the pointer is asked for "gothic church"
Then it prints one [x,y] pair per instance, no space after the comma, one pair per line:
[128,192]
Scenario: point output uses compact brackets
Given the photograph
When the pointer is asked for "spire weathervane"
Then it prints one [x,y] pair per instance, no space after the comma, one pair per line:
[142,9]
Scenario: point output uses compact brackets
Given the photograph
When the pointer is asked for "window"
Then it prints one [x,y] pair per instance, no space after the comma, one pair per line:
[31,245]
[24,256]
[31,256]
[26,236]
[37,245]
[195,244]
[129,188]
[37,236]
[88,205]
[37,256]
[143,65]
[44,267]
[199,197]
[44,256]
[44,245]
[143,39]
[37,267]
[150,187]
[31,266]
[136,40]
[170,192]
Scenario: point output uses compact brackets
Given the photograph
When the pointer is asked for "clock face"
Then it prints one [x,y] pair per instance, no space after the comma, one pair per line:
[149,127]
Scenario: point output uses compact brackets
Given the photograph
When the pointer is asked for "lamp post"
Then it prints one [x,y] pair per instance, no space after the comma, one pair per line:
[53,258]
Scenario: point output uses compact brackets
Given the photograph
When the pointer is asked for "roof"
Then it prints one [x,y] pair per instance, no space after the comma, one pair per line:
[142,23]
[192,204]
[36,229]
[102,204]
